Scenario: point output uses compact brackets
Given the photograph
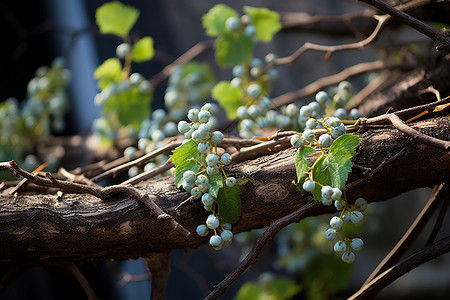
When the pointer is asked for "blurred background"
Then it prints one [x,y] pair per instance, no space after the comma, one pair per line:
[36,32]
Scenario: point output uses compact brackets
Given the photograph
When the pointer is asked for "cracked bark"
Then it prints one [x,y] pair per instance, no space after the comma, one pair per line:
[36,229]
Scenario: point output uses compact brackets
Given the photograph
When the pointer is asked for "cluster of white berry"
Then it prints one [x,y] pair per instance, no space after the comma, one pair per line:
[197,183]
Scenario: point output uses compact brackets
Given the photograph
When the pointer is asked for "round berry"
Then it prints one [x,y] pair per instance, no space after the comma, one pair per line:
[339,204]
[356,244]
[122,50]
[232,23]
[309,135]
[230,181]
[217,137]
[330,234]
[227,226]
[250,30]
[212,160]
[203,147]
[340,247]
[207,199]
[337,194]
[225,159]
[348,257]
[215,241]
[201,179]
[202,230]
[356,217]
[325,140]
[361,203]
[212,222]
[203,116]
[241,112]
[226,235]
[238,71]
[311,124]
[189,176]
[326,201]
[196,192]
[298,141]
[254,90]
[336,223]
[326,191]
[309,186]
[321,97]
[193,114]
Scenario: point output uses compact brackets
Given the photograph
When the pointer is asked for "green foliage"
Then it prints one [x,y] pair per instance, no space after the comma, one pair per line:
[229,202]
[228,96]
[277,289]
[185,158]
[233,48]
[143,50]
[267,22]
[214,20]
[109,71]
[116,18]
[215,184]
[333,169]
[302,165]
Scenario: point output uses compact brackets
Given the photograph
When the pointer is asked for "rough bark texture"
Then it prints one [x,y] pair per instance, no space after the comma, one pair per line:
[35,229]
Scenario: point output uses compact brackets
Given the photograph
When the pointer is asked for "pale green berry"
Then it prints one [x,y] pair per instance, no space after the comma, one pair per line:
[309,185]
[129,152]
[321,97]
[189,176]
[330,234]
[203,147]
[201,179]
[356,244]
[340,247]
[238,71]
[254,90]
[217,137]
[361,203]
[356,217]
[325,140]
[122,50]
[212,160]
[311,124]
[202,230]
[183,127]
[207,199]
[337,194]
[250,30]
[298,141]
[215,241]
[212,222]
[225,159]
[309,135]
[196,192]
[348,257]
[226,235]
[230,181]
[232,23]
[336,223]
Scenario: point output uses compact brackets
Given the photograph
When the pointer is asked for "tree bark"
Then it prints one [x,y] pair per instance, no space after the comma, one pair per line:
[36,229]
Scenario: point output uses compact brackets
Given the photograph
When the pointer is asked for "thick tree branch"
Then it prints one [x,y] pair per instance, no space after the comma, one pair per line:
[41,228]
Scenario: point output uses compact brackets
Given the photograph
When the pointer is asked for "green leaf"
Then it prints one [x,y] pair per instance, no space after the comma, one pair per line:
[214,20]
[267,22]
[250,291]
[229,204]
[109,71]
[233,49]
[132,107]
[228,96]
[333,169]
[302,165]
[116,18]
[284,288]
[143,50]
[184,157]
[215,183]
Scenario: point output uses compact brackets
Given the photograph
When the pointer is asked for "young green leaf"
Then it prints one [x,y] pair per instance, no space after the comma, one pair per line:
[214,20]
[229,204]
[116,18]
[267,22]
[143,50]
[302,165]
[233,48]
[333,169]
[228,96]
[109,71]
[215,183]
[184,158]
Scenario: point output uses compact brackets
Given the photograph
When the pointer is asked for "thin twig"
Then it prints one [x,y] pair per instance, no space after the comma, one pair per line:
[149,174]
[427,253]
[266,237]
[398,123]
[136,162]
[410,236]
[441,41]
[159,266]
[441,216]
[345,74]
[189,55]
[76,272]
[331,49]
